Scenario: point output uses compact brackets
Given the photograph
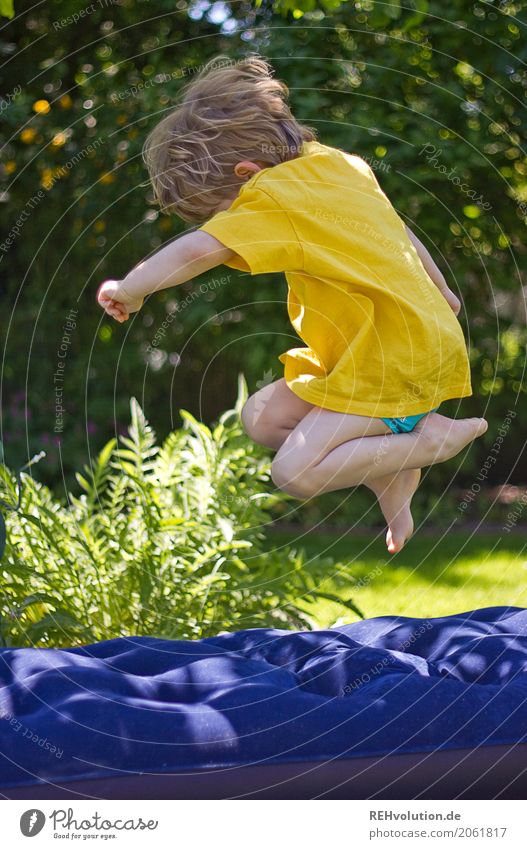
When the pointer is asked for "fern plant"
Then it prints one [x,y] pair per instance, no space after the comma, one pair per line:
[163,540]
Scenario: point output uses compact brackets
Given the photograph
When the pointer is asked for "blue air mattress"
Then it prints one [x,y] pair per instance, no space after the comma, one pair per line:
[387,707]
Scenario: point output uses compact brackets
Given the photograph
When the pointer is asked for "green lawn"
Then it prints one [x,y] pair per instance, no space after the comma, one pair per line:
[432,576]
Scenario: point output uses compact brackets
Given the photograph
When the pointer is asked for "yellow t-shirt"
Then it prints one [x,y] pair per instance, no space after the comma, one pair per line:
[381,339]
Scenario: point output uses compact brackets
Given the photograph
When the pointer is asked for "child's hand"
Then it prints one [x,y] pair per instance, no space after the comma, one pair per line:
[114,300]
[453,301]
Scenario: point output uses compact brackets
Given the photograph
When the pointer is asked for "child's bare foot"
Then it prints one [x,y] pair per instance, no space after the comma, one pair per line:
[447,437]
[394,494]
[442,438]
[401,526]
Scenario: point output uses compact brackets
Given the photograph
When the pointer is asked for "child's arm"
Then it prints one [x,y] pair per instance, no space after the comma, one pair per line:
[181,260]
[434,273]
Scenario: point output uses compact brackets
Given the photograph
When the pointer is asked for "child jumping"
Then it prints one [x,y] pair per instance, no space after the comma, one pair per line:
[383,348]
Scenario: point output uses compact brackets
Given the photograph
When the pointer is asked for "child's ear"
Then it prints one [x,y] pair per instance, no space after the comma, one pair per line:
[246,169]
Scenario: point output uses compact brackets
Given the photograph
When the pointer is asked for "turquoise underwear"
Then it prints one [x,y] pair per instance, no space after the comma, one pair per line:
[406,423]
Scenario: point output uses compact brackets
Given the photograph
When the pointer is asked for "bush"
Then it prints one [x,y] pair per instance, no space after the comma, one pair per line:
[165,541]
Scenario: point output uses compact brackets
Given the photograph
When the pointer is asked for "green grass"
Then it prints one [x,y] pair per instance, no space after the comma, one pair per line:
[433,575]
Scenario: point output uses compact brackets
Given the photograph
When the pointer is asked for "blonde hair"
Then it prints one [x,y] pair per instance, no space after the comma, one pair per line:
[232,111]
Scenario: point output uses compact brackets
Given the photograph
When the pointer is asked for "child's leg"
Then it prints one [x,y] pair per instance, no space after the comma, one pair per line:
[327,451]
[394,494]
[394,491]
[271,415]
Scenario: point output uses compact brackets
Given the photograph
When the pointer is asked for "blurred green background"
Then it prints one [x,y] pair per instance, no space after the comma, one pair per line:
[432,94]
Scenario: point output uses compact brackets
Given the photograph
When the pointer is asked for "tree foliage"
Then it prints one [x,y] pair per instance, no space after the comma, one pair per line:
[432,94]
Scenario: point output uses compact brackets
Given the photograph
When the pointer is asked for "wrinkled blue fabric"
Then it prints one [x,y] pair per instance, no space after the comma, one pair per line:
[386,685]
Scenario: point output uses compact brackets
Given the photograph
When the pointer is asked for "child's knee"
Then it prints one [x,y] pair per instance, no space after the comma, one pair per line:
[259,421]
[255,420]
[249,417]
[246,417]
[292,478]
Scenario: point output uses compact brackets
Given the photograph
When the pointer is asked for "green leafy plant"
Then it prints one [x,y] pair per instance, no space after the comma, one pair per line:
[163,540]
[7,9]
